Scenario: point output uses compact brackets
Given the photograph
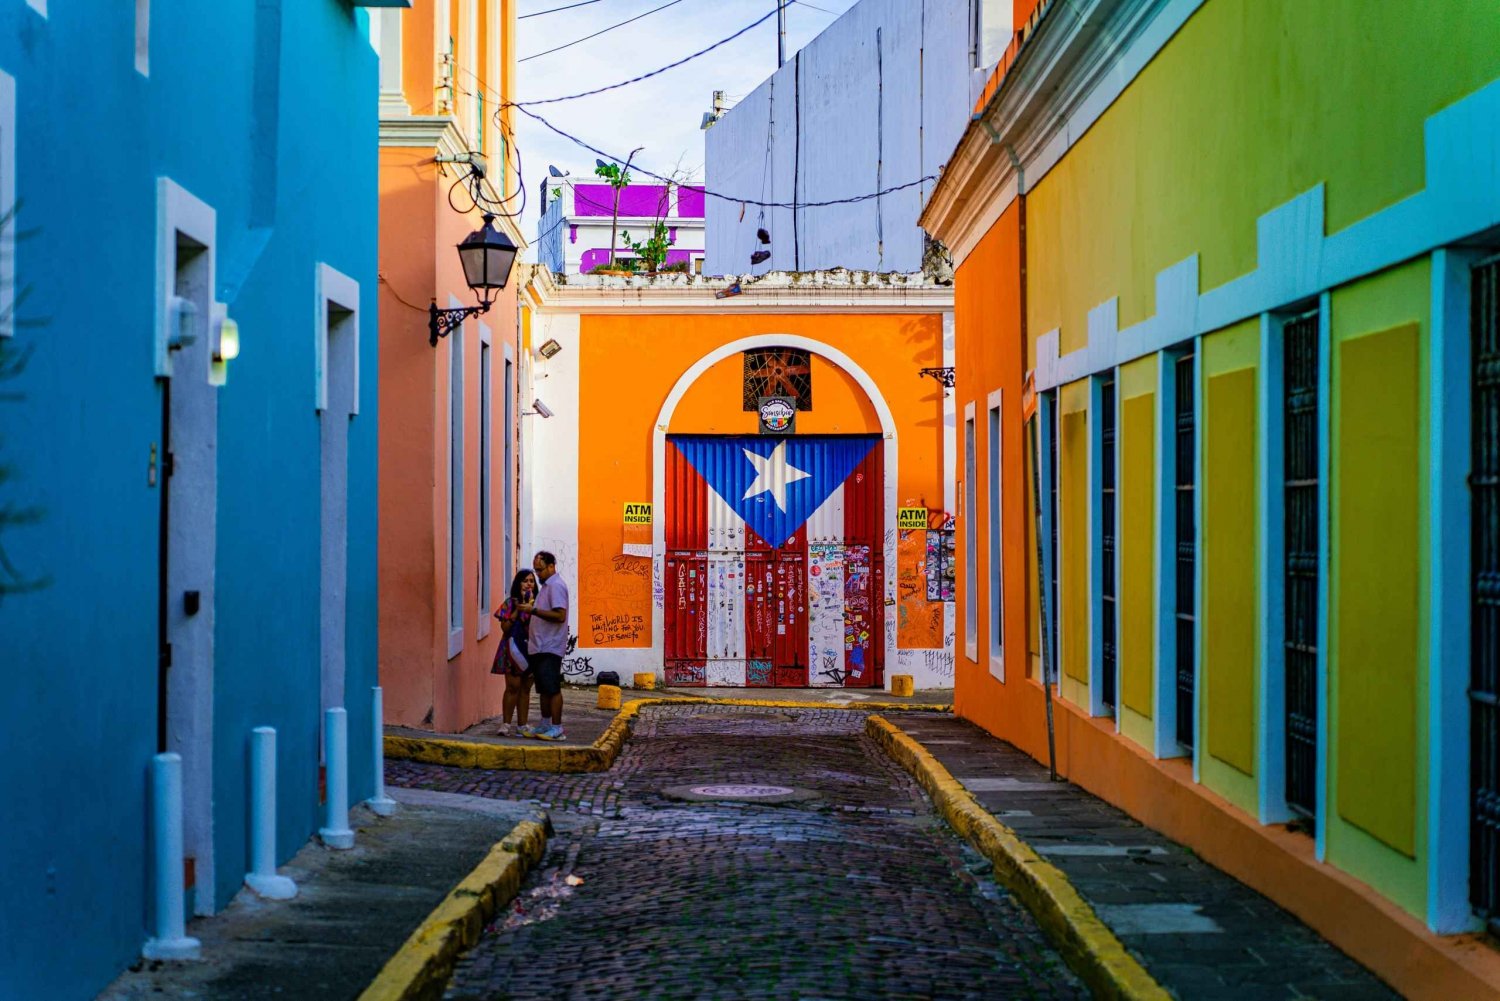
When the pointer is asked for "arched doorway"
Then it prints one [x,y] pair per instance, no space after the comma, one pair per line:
[773,550]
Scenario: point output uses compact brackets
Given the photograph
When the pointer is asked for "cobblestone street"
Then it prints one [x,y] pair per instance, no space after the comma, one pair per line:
[854,890]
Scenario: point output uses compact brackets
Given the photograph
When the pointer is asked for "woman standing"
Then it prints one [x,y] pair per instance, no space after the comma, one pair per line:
[511,658]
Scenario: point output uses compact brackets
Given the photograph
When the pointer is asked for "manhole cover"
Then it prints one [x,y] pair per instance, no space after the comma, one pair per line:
[742,791]
[738,792]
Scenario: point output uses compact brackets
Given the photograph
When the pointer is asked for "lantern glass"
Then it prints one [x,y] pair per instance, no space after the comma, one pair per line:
[487,256]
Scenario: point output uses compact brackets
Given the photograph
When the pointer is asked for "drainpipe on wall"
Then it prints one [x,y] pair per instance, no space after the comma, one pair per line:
[1020,170]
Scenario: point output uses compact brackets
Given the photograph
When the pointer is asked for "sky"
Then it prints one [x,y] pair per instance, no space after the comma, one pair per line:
[662,114]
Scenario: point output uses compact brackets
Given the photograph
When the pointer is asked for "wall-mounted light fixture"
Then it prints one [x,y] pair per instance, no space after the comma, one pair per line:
[947,375]
[487,256]
[549,348]
[229,341]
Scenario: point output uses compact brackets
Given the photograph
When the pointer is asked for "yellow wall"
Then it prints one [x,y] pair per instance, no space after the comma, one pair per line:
[1137,548]
[1379,581]
[1230,613]
[1177,168]
[1073,541]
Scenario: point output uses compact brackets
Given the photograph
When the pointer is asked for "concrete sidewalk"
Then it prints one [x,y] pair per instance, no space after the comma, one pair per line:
[353,910]
[583,722]
[1201,933]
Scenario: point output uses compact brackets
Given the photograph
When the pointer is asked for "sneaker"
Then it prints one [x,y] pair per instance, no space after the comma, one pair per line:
[553,732]
[526,730]
[504,730]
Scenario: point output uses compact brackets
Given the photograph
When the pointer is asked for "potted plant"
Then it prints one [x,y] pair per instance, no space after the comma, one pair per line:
[617,177]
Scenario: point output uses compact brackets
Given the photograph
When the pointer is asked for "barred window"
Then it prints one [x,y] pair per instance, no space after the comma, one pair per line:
[778,372]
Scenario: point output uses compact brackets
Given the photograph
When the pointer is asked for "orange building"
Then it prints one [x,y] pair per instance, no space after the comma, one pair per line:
[712,541]
[447,412]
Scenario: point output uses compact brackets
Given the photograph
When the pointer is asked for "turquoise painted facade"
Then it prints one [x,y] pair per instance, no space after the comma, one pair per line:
[115,136]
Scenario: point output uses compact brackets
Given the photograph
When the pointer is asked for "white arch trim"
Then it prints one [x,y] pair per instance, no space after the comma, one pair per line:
[659,476]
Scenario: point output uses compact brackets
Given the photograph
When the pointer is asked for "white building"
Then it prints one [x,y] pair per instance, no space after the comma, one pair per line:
[875,102]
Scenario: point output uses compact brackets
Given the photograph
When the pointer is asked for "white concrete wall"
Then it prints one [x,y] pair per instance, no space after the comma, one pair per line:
[885,94]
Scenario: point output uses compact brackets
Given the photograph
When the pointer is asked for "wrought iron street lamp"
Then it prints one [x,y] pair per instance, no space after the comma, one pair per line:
[487,255]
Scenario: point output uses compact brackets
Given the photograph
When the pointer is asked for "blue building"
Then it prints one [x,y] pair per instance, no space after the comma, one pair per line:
[202,557]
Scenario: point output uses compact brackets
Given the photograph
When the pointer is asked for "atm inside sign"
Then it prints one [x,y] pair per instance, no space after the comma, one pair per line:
[911,518]
[637,514]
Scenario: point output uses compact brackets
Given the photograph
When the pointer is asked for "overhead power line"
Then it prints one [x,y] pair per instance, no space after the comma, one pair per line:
[644,76]
[555,10]
[735,199]
[804,3]
[601,31]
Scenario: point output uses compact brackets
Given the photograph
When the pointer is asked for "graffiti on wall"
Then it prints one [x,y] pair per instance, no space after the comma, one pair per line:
[925,576]
[614,597]
[617,629]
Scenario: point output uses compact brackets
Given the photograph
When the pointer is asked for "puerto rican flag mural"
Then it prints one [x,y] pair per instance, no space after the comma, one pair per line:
[774,562]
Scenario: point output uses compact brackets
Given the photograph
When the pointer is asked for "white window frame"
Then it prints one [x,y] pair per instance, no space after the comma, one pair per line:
[456,485]
[485,589]
[971,537]
[333,286]
[995,511]
[7,205]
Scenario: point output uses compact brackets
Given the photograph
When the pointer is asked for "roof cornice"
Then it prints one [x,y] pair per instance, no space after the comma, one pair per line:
[1045,104]
[778,292]
[442,135]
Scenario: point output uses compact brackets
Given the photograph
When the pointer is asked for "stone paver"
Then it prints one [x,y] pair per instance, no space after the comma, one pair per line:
[1201,933]
[859,892]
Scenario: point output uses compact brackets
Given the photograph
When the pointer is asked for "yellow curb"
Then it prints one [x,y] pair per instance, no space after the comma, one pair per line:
[600,755]
[1086,942]
[420,969]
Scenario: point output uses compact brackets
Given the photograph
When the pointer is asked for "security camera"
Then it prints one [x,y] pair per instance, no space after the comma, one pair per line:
[541,408]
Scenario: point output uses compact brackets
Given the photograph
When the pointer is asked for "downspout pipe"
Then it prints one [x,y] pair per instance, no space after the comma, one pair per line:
[1020,169]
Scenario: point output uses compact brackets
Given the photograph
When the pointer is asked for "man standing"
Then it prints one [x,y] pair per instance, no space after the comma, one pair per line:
[548,638]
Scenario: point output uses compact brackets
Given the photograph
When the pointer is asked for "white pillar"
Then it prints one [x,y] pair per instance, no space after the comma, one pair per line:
[171,940]
[335,831]
[262,877]
[380,803]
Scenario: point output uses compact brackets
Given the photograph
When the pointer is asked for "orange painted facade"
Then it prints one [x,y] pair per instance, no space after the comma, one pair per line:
[434,664]
[987,298]
[626,361]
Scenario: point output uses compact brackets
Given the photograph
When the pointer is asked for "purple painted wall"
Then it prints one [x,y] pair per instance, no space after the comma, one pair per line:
[690,203]
[635,200]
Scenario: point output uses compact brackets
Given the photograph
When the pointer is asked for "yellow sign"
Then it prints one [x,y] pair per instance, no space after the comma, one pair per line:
[909,518]
[637,514]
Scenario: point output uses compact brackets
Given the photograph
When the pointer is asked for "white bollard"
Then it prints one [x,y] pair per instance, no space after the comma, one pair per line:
[262,877]
[171,940]
[380,803]
[335,831]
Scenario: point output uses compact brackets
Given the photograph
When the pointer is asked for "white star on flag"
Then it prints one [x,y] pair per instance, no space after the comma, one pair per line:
[773,474]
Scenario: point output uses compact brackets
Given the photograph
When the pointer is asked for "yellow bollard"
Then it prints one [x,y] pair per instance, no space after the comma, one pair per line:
[646,680]
[609,696]
[902,686]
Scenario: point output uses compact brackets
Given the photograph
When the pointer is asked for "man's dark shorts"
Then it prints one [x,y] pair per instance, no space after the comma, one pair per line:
[547,669]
